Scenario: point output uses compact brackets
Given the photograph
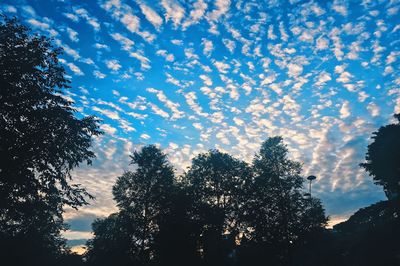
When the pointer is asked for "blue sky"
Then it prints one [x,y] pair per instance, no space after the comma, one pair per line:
[195,75]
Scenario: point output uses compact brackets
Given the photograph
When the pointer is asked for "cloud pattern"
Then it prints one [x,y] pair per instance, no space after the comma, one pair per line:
[195,75]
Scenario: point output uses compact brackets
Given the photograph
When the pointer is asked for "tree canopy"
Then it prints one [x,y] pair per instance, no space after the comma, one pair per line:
[42,139]
[219,202]
[383,158]
[142,197]
[278,212]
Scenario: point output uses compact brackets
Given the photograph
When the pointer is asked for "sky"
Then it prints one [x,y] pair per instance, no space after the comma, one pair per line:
[196,75]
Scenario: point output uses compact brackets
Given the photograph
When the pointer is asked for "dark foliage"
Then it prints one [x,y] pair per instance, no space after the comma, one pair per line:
[370,236]
[218,184]
[383,159]
[278,215]
[201,219]
[143,197]
[41,142]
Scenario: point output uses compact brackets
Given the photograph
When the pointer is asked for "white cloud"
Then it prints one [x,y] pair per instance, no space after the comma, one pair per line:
[151,15]
[191,101]
[197,126]
[340,7]
[173,11]
[108,129]
[322,43]
[131,22]
[231,45]
[145,136]
[345,110]
[294,70]
[322,79]
[113,65]
[71,16]
[168,57]
[101,46]
[158,111]
[196,14]
[238,121]
[9,8]
[110,114]
[221,8]
[125,42]
[207,81]
[208,47]
[38,24]
[98,74]
[77,71]
[176,113]
[221,66]
[373,109]
[144,61]
[271,34]
[73,35]
[92,21]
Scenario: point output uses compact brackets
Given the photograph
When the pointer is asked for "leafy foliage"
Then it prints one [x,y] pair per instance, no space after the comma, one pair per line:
[218,181]
[219,201]
[383,158]
[41,139]
[278,213]
[142,197]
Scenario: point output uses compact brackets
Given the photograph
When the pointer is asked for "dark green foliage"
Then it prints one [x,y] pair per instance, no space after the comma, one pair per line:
[383,159]
[41,141]
[279,216]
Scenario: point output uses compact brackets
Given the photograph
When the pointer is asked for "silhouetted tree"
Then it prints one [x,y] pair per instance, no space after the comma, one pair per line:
[219,201]
[41,141]
[370,236]
[143,199]
[383,159]
[217,182]
[179,230]
[111,244]
[279,214]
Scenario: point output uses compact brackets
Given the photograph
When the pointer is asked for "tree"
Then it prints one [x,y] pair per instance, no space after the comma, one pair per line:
[383,159]
[370,236]
[143,199]
[41,142]
[111,244]
[218,181]
[278,213]
[177,240]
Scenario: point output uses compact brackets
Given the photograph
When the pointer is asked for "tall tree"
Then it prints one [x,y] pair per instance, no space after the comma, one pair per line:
[41,141]
[218,181]
[383,159]
[277,211]
[143,199]
[154,224]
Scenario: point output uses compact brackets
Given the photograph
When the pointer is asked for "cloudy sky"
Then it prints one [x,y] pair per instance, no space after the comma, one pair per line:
[194,75]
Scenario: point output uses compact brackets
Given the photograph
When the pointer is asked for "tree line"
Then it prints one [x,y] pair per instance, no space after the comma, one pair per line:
[221,211]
